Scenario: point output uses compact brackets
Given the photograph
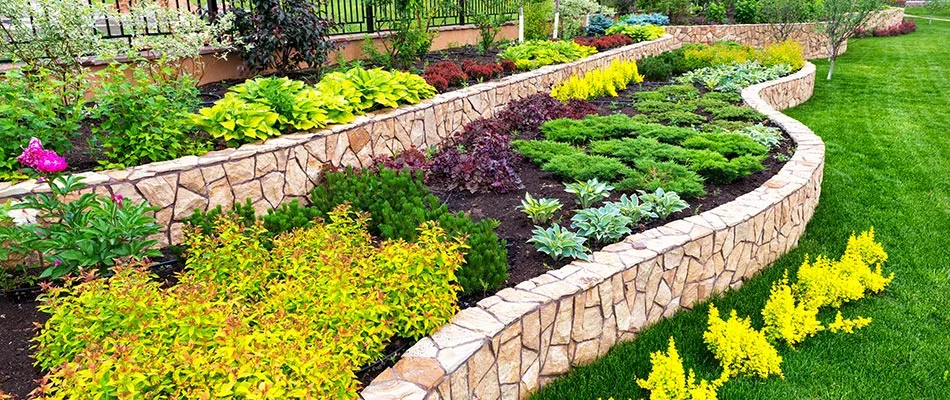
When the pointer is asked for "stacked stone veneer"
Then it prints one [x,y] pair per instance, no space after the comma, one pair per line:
[758,35]
[286,167]
[519,339]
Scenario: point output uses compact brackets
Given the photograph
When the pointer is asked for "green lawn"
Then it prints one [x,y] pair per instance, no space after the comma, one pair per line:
[885,119]
[922,12]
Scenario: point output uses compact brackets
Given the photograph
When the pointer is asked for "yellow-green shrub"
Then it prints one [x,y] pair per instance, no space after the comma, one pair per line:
[788,52]
[243,321]
[598,83]
[787,318]
[841,324]
[832,283]
[639,33]
[739,348]
[668,379]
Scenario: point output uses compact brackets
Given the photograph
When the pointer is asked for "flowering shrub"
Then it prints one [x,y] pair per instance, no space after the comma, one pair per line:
[605,42]
[90,231]
[479,158]
[740,349]
[294,321]
[668,379]
[599,82]
[538,53]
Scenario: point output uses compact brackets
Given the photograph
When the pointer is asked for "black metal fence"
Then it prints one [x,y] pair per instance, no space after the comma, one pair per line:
[351,16]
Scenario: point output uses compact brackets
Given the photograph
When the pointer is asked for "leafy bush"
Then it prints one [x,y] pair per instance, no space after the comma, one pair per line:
[588,193]
[646,19]
[524,117]
[237,121]
[573,13]
[663,203]
[599,82]
[305,314]
[598,24]
[639,33]
[143,117]
[558,243]
[448,70]
[241,213]
[716,12]
[580,166]
[787,319]
[479,158]
[32,105]
[398,202]
[718,53]
[378,88]
[904,27]
[604,225]
[482,72]
[631,208]
[747,11]
[537,24]
[602,43]
[668,378]
[539,211]
[788,52]
[740,349]
[734,77]
[283,35]
[411,159]
[663,66]
[533,54]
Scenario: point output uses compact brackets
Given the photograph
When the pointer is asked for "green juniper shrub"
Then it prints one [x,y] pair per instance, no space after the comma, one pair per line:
[679,92]
[666,134]
[655,69]
[729,97]
[736,113]
[541,151]
[652,174]
[679,118]
[398,202]
[650,95]
[582,167]
[706,103]
[728,144]
[630,150]
[725,125]
[661,106]
[593,127]
[715,167]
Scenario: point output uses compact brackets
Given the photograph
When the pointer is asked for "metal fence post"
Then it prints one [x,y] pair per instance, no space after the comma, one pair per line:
[368,11]
[461,12]
[212,9]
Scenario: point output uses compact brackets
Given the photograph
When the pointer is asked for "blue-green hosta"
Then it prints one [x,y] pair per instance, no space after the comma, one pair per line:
[539,210]
[559,242]
[767,136]
[734,77]
[663,203]
[602,225]
[632,208]
[589,192]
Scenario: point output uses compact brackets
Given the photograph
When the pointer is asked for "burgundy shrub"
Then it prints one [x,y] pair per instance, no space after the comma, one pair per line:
[483,72]
[411,159]
[448,70]
[479,158]
[903,28]
[605,42]
[437,81]
[508,66]
[526,115]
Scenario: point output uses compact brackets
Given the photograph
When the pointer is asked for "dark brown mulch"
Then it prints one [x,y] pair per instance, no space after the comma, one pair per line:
[17,373]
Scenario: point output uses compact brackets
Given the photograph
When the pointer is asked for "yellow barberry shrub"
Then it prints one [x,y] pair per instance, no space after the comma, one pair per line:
[788,52]
[599,82]
[841,324]
[787,318]
[872,253]
[249,317]
[739,348]
[668,379]
[832,283]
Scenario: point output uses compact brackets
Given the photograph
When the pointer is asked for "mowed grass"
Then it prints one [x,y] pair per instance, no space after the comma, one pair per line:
[885,118]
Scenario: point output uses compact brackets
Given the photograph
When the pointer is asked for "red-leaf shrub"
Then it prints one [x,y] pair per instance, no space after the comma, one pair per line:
[482,72]
[479,158]
[902,28]
[526,115]
[605,42]
[411,159]
[448,70]
[437,81]
[508,66]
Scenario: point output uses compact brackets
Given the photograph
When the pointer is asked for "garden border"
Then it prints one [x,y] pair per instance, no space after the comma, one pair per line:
[512,343]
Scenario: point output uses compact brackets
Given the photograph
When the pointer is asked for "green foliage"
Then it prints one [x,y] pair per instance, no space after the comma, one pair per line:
[604,225]
[35,104]
[663,203]
[727,144]
[663,66]
[378,88]
[652,175]
[537,15]
[747,11]
[301,317]
[539,211]
[736,113]
[237,121]
[542,151]
[398,202]
[716,12]
[729,126]
[278,94]
[91,231]
[283,35]
[639,33]
[588,192]
[680,118]
[661,106]
[203,221]
[679,92]
[734,77]
[143,114]
[632,208]
[765,135]
[538,53]
[559,243]
[593,127]
[580,166]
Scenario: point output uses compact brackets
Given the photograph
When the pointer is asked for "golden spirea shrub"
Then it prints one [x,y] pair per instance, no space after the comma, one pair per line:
[249,318]
[599,82]
[668,379]
[740,349]
[788,319]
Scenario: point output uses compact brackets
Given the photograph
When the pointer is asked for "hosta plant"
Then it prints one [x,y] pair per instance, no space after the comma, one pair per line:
[558,242]
[589,192]
[632,208]
[767,136]
[603,225]
[663,203]
[539,211]
[237,121]
[538,53]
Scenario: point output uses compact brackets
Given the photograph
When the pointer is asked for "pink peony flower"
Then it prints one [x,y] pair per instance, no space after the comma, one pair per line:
[31,154]
[117,198]
[40,159]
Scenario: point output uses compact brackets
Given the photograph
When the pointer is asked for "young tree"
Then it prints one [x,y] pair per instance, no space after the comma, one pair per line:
[840,18]
[785,15]
[932,6]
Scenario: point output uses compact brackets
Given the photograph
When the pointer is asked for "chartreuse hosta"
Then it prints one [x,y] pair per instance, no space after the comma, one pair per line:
[589,192]
[539,211]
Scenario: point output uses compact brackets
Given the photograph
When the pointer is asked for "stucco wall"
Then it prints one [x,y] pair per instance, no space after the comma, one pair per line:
[512,343]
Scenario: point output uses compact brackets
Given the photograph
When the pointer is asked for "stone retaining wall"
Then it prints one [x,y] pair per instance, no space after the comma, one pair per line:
[286,167]
[758,35]
[512,343]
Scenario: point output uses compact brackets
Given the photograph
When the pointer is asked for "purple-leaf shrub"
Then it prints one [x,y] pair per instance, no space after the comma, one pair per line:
[479,158]
[411,159]
[526,116]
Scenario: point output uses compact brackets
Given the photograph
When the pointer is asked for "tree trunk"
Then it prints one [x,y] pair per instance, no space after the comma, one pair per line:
[831,68]
[521,23]
[557,16]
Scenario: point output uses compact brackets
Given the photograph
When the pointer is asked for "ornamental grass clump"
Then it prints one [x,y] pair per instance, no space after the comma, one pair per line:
[245,321]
